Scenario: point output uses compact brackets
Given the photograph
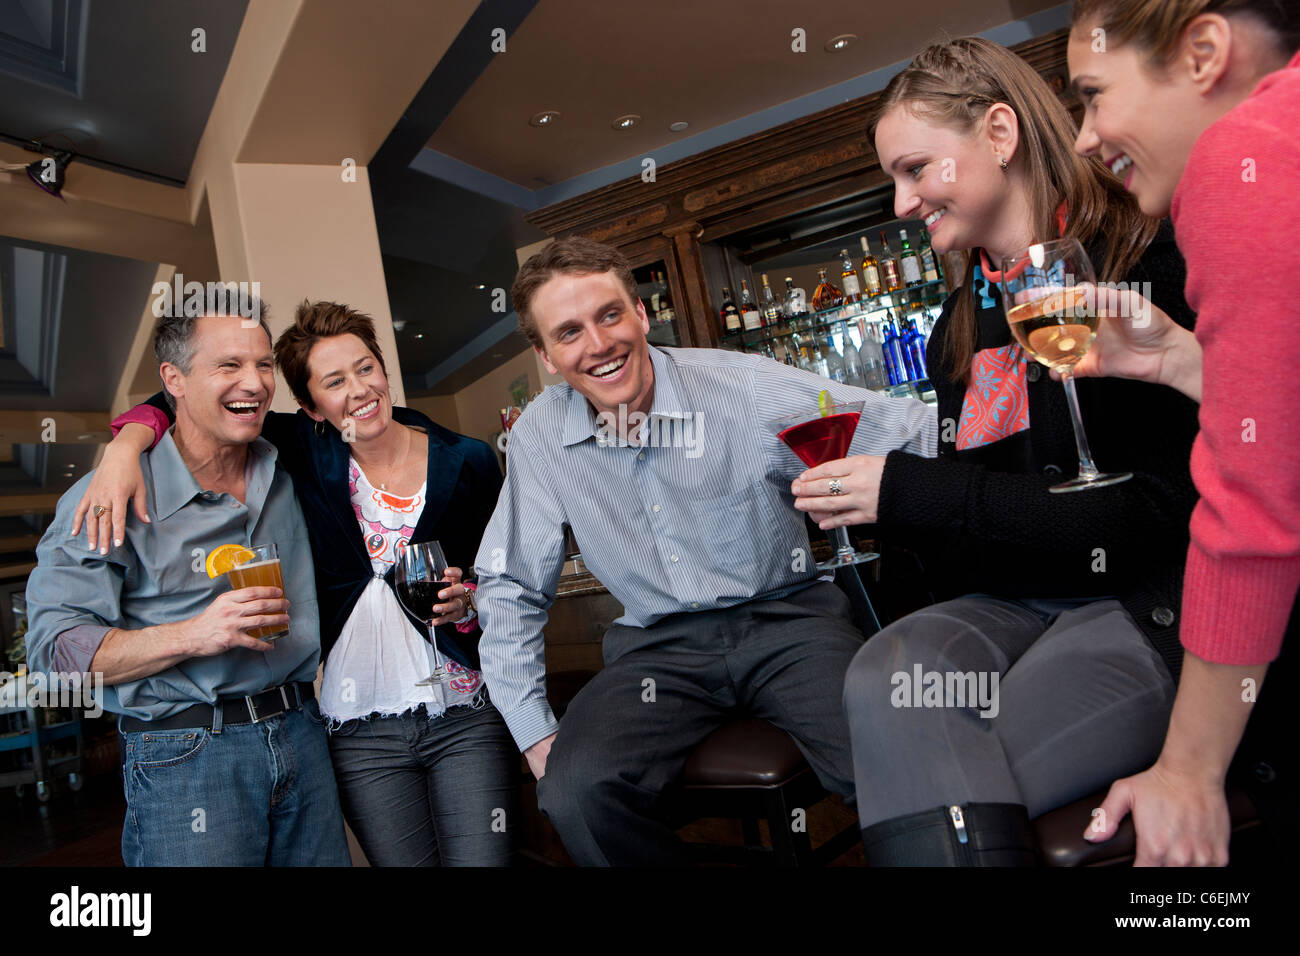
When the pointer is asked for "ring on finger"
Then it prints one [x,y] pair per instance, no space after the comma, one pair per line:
[836,487]
[99,511]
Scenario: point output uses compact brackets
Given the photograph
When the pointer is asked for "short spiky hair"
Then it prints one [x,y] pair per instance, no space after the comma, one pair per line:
[173,337]
[312,322]
[572,256]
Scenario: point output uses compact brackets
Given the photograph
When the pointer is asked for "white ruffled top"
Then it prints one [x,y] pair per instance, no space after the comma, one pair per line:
[380,655]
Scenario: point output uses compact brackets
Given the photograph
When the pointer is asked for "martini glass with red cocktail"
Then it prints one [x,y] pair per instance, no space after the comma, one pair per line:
[818,437]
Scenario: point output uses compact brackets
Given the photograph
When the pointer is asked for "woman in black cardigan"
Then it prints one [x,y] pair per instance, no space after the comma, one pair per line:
[426,774]
[1050,670]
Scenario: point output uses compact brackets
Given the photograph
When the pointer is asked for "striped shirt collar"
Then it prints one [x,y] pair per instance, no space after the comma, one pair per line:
[669,400]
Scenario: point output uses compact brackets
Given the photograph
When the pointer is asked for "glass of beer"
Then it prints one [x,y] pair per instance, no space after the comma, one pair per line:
[1050,298]
[261,570]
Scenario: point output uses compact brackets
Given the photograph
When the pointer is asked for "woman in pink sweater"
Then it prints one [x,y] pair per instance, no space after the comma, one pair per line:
[1195,105]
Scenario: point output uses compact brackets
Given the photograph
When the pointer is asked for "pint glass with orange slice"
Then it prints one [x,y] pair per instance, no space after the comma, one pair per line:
[250,567]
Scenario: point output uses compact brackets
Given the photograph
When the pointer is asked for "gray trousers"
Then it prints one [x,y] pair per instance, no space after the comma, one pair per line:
[1081,700]
[628,733]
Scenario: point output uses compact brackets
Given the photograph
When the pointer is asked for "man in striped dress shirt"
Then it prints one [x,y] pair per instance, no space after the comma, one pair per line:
[679,497]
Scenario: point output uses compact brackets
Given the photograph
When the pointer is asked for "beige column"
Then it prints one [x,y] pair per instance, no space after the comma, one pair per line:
[304,232]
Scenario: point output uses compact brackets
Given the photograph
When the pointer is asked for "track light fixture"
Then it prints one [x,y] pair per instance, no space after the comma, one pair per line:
[50,172]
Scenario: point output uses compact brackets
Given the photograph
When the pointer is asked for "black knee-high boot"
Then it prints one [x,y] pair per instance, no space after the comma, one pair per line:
[976,834]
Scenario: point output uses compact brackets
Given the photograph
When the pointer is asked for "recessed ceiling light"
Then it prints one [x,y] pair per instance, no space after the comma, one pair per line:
[835,44]
[544,118]
[481,286]
[678,126]
[419,335]
[626,121]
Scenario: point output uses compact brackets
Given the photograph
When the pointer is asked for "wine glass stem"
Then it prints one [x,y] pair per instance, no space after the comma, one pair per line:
[840,536]
[433,640]
[1086,467]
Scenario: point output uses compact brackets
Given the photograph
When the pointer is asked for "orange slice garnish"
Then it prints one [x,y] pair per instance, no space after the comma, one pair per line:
[223,558]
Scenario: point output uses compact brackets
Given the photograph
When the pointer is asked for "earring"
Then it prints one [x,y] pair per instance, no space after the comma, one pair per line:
[1002,161]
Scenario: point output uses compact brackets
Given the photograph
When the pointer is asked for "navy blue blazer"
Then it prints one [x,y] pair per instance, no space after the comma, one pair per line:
[464,480]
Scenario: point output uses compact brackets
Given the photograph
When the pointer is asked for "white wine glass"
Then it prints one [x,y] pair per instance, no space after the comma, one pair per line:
[1049,294]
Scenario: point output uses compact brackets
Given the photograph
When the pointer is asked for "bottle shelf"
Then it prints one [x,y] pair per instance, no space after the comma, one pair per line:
[928,295]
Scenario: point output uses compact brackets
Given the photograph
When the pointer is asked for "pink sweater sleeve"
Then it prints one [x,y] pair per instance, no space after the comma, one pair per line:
[1234,213]
[142,415]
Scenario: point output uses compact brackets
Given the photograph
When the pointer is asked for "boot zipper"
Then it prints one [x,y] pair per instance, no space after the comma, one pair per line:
[964,852]
[958,822]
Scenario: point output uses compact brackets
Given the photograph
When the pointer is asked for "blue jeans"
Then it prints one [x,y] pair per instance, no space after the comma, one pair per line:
[421,792]
[253,795]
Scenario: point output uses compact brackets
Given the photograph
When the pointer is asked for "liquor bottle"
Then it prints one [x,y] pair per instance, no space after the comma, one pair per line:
[830,364]
[895,357]
[749,316]
[888,266]
[799,352]
[870,273]
[730,314]
[929,261]
[771,308]
[853,372]
[904,346]
[666,312]
[794,304]
[874,374]
[891,366]
[914,343]
[827,295]
[849,280]
[909,261]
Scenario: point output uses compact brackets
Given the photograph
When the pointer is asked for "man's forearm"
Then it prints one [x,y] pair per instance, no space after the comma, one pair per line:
[130,655]
[1209,716]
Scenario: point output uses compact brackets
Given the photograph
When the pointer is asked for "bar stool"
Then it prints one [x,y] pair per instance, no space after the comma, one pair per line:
[1061,842]
[752,770]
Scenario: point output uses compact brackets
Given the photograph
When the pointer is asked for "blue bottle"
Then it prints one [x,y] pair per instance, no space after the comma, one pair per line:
[895,357]
[914,343]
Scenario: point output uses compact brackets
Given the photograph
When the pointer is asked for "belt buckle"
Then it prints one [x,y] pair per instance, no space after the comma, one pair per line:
[252,707]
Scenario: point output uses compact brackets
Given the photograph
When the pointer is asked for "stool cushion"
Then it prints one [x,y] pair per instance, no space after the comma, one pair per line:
[1061,842]
[746,753]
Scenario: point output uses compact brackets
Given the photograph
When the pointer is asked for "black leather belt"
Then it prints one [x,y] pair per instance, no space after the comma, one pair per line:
[234,710]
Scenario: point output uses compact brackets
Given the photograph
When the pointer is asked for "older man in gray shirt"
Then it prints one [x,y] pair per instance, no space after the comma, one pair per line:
[226,760]
[661,463]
